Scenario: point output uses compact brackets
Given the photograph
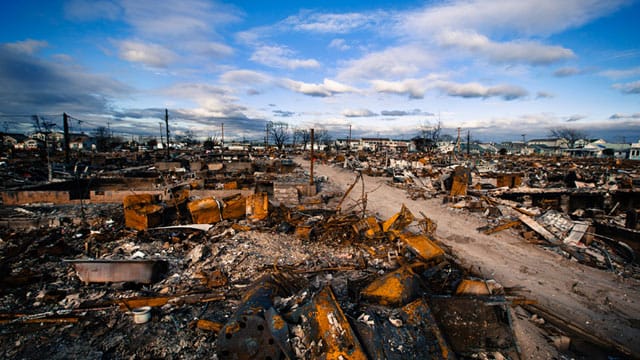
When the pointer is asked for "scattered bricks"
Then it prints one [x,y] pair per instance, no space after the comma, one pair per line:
[257,206]
[473,287]
[205,211]
[395,288]
[141,212]
[421,245]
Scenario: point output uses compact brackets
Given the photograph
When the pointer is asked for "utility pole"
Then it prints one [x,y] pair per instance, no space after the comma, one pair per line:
[222,143]
[312,159]
[349,141]
[468,142]
[166,121]
[67,146]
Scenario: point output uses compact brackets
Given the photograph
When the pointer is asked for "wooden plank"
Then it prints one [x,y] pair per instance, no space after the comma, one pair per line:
[530,222]
[501,227]
[576,234]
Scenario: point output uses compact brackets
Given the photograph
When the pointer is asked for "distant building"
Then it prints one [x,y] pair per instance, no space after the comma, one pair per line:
[13,139]
[550,143]
[634,151]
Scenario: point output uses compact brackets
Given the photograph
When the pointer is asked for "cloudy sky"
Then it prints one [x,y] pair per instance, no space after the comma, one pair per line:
[498,69]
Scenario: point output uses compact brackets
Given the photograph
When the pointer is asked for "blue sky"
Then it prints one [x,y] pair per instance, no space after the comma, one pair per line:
[387,68]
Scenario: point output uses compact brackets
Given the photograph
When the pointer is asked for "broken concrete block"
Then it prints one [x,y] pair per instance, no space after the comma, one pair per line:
[257,206]
[141,212]
[235,207]
[205,211]
[461,177]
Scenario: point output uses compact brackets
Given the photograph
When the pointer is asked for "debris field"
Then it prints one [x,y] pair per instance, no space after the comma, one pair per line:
[260,258]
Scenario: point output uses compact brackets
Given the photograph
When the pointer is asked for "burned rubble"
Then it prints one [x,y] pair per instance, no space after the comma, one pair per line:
[256,258]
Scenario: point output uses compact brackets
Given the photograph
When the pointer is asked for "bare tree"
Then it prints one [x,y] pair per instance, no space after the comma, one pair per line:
[428,136]
[322,136]
[279,133]
[571,135]
[305,137]
[295,136]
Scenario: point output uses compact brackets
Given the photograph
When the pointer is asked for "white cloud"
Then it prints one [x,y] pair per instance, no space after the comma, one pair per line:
[618,116]
[628,88]
[177,18]
[576,117]
[529,52]
[245,77]
[213,101]
[325,89]
[339,44]
[152,55]
[392,62]
[358,113]
[567,71]
[332,23]
[414,88]
[524,17]
[84,10]
[28,46]
[280,57]
[544,95]
[476,90]
[620,74]
[210,49]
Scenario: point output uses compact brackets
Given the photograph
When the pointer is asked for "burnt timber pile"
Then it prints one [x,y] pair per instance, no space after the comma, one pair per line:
[254,257]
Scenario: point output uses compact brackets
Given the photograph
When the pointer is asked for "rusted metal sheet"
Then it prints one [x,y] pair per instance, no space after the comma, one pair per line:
[205,211]
[99,271]
[395,288]
[235,207]
[473,325]
[421,245]
[407,333]
[369,226]
[336,338]
[473,287]
[141,212]
[257,206]
[398,221]
[247,334]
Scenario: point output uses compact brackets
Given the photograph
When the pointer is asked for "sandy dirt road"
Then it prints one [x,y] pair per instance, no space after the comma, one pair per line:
[603,303]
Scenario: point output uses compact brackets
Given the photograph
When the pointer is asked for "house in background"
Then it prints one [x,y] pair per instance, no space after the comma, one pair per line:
[634,151]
